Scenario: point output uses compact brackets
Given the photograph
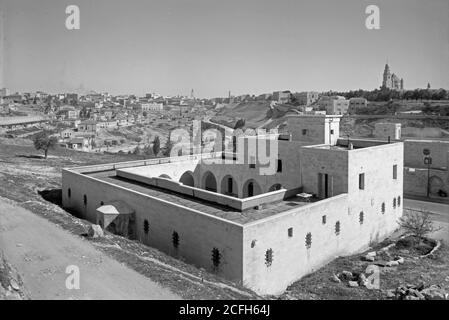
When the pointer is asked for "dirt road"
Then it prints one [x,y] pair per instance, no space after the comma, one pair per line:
[41,252]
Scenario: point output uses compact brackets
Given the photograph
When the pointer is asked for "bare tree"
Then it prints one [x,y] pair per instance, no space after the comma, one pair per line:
[417,224]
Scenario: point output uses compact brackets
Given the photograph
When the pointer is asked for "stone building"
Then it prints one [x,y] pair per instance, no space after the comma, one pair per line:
[334,105]
[262,221]
[391,81]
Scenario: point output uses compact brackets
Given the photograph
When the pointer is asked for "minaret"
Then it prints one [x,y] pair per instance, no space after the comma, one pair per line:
[402,84]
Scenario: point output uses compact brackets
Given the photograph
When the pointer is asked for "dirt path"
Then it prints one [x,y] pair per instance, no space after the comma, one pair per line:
[41,252]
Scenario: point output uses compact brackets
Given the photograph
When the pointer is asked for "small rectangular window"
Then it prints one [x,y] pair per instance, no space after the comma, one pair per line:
[304,132]
[279,169]
[361,181]
[395,171]
[323,219]
[290,232]
[332,131]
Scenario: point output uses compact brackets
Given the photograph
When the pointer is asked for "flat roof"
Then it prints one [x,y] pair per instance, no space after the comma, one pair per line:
[206,207]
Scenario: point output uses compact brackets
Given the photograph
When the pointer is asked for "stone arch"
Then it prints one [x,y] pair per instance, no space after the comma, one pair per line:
[229,186]
[165,176]
[209,182]
[436,184]
[251,188]
[275,187]
[187,179]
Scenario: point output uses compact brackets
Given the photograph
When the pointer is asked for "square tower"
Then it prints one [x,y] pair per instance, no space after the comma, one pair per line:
[314,129]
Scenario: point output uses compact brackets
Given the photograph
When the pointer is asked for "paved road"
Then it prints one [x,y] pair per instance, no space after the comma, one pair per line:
[41,252]
[439,212]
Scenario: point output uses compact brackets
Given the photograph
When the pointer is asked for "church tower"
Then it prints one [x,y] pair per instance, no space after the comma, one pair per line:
[386,83]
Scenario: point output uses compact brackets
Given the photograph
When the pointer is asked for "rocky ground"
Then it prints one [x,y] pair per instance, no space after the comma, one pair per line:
[11,286]
[389,270]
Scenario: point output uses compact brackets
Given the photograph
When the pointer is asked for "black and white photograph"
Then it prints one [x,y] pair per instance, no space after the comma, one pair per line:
[227,158]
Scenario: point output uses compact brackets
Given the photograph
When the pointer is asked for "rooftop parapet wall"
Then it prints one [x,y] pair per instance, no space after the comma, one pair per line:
[235,203]
[141,163]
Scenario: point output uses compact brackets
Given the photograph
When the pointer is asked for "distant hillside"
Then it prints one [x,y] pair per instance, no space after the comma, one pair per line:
[256,113]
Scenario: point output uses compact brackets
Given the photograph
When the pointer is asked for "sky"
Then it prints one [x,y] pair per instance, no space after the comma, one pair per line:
[213,46]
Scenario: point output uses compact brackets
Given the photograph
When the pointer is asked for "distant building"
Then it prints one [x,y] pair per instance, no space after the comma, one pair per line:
[150,107]
[336,105]
[4,92]
[13,98]
[306,98]
[88,126]
[263,96]
[71,97]
[67,134]
[281,96]
[387,131]
[68,113]
[355,103]
[79,143]
[391,81]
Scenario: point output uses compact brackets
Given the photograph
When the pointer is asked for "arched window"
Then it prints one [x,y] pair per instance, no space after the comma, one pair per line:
[251,188]
[187,179]
[229,186]
[209,182]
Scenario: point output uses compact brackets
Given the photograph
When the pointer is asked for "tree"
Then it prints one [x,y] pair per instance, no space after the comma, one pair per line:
[240,124]
[417,224]
[148,151]
[167,148]
[137,151]
[44,141]
[156,145]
